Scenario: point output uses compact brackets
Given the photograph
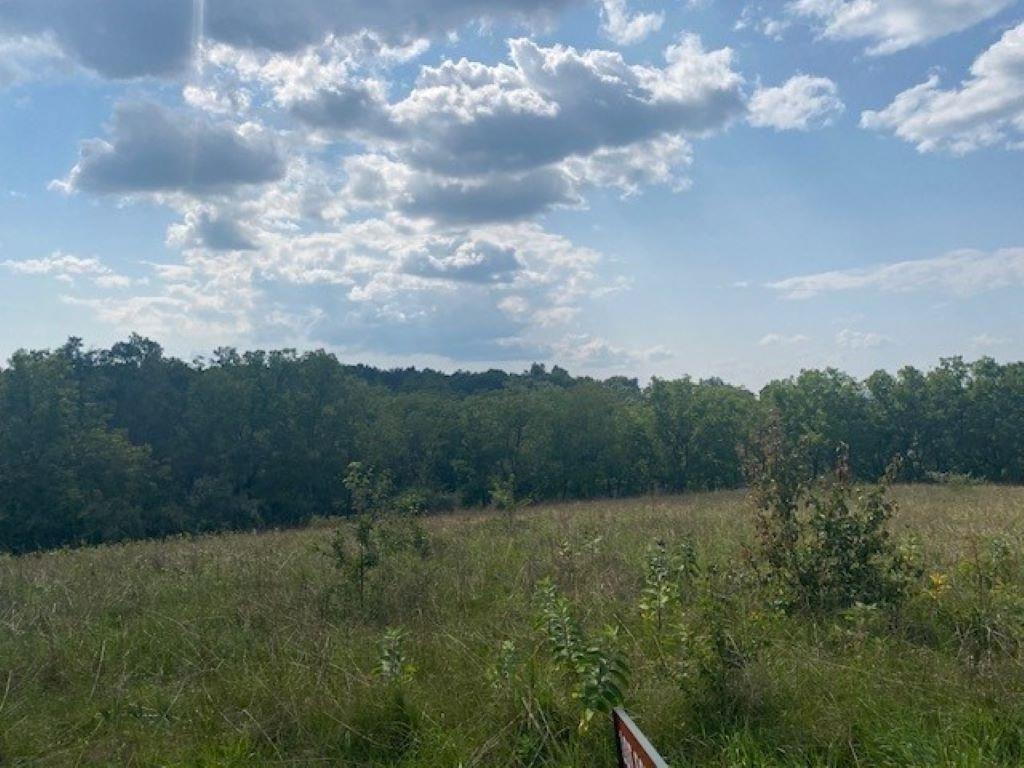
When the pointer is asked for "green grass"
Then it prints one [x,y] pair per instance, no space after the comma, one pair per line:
[250,650]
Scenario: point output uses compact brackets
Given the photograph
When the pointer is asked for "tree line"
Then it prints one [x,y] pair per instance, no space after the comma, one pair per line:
[127,442]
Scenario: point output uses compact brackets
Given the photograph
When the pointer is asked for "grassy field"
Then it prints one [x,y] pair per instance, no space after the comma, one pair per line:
[253,650]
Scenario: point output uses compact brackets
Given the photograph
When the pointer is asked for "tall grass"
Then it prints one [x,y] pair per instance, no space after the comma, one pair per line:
[253,650]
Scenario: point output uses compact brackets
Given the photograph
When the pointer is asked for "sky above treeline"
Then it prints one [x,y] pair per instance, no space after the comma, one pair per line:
[642,187]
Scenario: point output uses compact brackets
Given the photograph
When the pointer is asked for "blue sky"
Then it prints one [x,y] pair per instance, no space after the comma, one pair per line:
[653,188]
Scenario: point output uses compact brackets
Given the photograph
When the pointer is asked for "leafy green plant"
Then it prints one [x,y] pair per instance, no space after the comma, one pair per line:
[383,526]
[392,664]
[981,602]
[824,542]
[667,573]
[504,498]
[356,564]
[598,672]
[711,648]
[602,672]
[503,671]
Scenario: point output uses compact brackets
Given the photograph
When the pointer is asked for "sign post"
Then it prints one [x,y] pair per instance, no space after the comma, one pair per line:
[635,751]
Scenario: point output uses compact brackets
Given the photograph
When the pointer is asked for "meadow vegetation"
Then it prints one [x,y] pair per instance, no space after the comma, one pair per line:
[501,639]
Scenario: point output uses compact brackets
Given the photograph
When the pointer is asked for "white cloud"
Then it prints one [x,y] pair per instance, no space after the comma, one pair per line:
[129,38]
[67,267]
[473,142]
[625,28]
[754,17]
[206,227]
[155,150]
[893,25]
[986,110]
[554,103]
[860,340]
[781,340]
[217,100]
[471,262]
[961,273]
[586,352]
[155,315]
[546,105]
[489,293]
[28,58]
[661,160]
[801,103]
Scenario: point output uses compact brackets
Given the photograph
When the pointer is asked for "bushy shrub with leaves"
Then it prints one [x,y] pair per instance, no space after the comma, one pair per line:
[596,669]
[384,525]
[824,542]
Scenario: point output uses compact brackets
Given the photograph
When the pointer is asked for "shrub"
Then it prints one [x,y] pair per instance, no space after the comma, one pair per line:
[824,543]
[384,526]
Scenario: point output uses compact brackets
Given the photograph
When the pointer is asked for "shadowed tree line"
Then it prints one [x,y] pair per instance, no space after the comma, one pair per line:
[127,442]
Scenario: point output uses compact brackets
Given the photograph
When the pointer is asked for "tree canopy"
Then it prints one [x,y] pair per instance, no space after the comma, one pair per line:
[107,444]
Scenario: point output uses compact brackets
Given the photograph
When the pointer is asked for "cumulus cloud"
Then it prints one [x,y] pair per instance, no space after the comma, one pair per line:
[552,103]
[961,273]
[67,267]
[986,110]
[152,149]
[346,107]
[625,28]
[135,38]
[801,103]
[893,25]
[473,142]
[290,26]
[154,314]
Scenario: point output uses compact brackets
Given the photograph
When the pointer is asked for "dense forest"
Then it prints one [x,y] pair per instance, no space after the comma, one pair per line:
[127,442]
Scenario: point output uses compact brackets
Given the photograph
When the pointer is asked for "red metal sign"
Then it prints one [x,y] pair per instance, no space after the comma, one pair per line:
[635,751]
